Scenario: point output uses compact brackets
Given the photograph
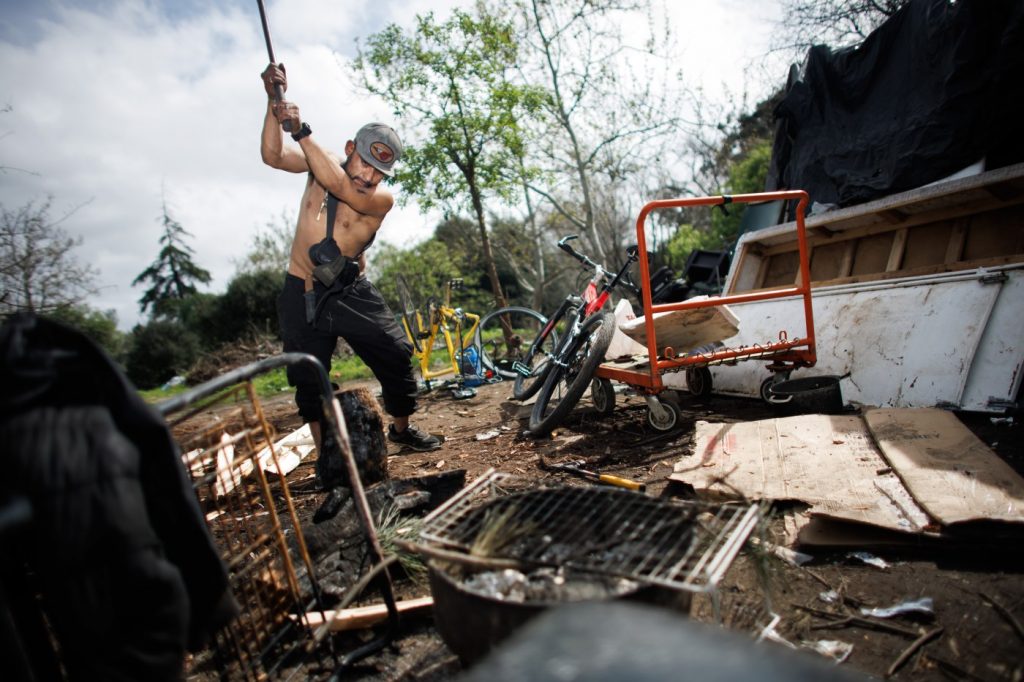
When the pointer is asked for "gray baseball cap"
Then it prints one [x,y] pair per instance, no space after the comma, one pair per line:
[379,146]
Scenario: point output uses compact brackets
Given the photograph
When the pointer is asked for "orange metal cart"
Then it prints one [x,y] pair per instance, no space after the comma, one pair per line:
[784,354]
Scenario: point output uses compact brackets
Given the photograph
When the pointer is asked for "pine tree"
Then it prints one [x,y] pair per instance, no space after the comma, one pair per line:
[173,275]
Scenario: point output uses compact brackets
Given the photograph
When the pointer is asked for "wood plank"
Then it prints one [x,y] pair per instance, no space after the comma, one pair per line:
[364,616]
[685,330]
[899,245]
[846,265]
[894,216]
[955,248]
[949,471]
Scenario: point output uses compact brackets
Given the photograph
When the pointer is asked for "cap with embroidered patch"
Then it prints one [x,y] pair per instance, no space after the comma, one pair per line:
[379,146]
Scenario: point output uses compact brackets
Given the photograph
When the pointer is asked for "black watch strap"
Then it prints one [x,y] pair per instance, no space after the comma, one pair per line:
[303,131]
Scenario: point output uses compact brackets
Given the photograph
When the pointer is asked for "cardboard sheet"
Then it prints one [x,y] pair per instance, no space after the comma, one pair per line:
[827,461]
[948,470]
[685,330]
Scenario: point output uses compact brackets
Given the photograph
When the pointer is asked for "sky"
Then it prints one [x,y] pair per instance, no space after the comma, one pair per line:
[114,107]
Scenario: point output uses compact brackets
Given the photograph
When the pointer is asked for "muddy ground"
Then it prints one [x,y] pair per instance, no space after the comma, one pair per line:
[978,592]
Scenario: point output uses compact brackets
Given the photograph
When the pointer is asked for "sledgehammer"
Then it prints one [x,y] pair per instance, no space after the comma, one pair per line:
[607,479]
[270,53]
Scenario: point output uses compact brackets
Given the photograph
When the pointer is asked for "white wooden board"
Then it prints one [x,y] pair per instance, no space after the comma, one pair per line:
[684,330]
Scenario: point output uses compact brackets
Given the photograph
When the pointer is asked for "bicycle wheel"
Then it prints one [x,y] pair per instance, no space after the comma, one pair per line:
[532,369]
[503,338]
[566,382]
[409,314]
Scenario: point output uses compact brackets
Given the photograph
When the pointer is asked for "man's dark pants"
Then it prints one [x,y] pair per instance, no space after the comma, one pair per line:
[363,319]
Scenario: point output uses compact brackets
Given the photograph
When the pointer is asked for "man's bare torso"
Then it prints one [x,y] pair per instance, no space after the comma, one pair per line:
[352,230]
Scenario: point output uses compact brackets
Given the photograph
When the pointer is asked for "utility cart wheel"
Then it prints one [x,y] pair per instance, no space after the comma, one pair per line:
[603,394]
[698,380]
[775,378]
[662,415]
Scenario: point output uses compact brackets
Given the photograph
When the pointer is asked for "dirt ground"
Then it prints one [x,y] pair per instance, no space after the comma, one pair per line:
[978,592]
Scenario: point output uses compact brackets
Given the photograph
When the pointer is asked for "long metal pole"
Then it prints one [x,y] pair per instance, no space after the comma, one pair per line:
[278,90]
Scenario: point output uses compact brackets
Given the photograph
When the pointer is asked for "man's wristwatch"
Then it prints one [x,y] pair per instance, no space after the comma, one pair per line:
[303,131]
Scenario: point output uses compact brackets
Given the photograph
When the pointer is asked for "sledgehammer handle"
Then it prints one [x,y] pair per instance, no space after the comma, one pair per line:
[278,90]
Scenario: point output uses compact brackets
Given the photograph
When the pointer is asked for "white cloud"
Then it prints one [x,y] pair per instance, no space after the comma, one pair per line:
[116,105]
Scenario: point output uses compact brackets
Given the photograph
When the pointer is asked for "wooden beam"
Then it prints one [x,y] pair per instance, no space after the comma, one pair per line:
[1003,191]
[894,216]
[957,239]
[899,245]
[846,264]
[364,616]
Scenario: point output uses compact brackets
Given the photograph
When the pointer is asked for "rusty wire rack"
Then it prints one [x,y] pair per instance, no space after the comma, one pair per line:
[679,545]
[228,450]
[242,487]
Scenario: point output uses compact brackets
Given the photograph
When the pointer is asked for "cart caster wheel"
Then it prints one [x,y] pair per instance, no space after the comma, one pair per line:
[776,378]
[603,394]
[698,380]
[664,417]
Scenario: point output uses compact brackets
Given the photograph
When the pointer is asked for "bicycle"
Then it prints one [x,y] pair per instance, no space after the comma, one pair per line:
[559,369]
[502,339]
[441,323]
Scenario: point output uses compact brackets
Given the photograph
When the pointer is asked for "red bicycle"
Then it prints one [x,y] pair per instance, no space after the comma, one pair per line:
[560,364]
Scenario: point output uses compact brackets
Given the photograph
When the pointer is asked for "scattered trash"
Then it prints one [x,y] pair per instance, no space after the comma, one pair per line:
[770,633]
[831,648]
[790,556]
[869,559]
[176,380]
[1002,420]
[488,435]
[829,597]
[923,605]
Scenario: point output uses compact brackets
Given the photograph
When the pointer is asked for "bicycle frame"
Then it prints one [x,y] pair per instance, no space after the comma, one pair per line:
[446,323]
[592,300]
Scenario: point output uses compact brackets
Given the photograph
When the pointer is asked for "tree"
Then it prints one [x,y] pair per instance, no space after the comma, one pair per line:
[39,271]
[271,247]
[249,306]
[453,80]
[839,23]
[100,326]
[159,350]
[609,113]
[173,274]
[426,267]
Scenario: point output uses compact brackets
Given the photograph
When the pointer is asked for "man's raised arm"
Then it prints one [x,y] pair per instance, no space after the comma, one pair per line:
[272,149]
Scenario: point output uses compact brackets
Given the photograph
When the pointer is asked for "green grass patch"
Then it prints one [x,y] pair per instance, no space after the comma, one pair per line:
[271,383]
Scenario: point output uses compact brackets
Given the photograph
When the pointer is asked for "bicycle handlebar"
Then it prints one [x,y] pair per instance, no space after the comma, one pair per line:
[564,245]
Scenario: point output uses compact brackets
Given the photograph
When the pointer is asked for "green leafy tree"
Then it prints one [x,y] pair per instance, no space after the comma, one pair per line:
[271,247]
[99,326]
[173,275]
[426,267]
[39,269]
[159,350]
[746,175]
[453,79]
[249,306]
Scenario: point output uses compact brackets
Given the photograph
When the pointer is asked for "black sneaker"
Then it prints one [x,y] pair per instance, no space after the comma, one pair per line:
[413,438]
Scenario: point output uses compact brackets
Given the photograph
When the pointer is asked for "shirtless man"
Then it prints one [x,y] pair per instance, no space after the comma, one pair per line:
[356,312]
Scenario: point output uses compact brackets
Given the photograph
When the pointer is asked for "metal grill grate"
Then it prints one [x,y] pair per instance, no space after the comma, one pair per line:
[681,545]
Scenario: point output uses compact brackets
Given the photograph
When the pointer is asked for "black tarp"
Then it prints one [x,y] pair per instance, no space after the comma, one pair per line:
[936,88]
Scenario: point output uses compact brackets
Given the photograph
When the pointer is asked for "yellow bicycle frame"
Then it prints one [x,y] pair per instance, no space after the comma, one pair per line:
[444,323]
